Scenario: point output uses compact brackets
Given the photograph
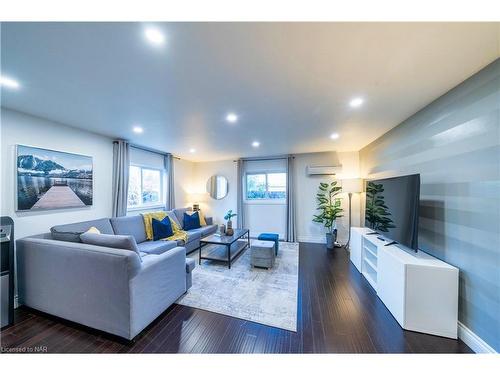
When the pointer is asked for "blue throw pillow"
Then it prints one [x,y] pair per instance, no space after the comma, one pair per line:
[191,221]
[162,229]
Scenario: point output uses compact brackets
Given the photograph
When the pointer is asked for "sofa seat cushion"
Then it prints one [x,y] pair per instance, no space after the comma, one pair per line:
[72,232]
[111,240]
[206,230]
[156,247]
[130,225]
[193,235]
[190,264]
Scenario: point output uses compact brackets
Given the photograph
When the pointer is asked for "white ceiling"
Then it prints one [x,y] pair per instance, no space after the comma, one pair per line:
[290,83]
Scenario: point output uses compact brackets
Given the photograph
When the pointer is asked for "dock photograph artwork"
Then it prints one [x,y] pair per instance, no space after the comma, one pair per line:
[48,179]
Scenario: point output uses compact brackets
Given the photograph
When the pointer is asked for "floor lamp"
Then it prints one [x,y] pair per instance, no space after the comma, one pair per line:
[350,186]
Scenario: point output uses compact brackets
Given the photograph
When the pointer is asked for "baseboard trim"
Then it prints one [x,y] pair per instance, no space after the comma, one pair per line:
[473,341]
[311,239]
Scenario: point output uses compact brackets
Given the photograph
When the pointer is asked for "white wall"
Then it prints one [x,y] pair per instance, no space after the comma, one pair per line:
[19,128]
[211,207]
[183,181]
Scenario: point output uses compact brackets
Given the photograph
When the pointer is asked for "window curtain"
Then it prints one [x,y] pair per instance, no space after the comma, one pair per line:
[121,164]
[290,201]
[240,208]
[170,197]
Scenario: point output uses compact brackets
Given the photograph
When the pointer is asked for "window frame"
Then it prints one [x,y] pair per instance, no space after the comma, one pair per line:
[264,200]
[141,206]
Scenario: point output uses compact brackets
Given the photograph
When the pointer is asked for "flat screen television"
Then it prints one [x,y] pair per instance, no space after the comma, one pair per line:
[392,206]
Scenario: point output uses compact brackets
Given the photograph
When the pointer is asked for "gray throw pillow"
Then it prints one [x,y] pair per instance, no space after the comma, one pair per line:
[111,240]
[65,235]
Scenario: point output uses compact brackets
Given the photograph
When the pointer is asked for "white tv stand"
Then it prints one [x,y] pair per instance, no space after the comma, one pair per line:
[420,291]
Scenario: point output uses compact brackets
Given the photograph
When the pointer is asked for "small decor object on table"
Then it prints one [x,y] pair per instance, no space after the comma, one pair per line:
[329,205]
[228,217]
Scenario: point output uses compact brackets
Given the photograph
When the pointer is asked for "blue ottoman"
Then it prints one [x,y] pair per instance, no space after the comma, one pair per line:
[270,237]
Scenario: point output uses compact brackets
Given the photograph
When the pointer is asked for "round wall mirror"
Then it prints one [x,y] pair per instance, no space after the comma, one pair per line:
[217,187]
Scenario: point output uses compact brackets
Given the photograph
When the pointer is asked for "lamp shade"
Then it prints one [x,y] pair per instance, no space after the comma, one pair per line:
[352,185]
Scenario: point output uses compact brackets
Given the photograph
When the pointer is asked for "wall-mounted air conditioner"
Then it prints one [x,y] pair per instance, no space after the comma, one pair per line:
[323,170]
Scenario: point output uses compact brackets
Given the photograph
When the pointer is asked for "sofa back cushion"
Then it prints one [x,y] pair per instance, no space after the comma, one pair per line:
[111,240]
[72,232]
[171,214]
[130,225]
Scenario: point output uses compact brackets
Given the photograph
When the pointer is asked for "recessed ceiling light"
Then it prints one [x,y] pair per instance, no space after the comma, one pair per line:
[356,102]
[232,118]
[255,144]
[137,129]
[192,150]
[334,136]
[9,82]
[154,35]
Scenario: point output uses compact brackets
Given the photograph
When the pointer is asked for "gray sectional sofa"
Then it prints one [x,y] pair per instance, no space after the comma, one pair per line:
[110,289]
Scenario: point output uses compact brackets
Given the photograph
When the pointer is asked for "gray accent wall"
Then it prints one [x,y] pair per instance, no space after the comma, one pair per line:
[454,143]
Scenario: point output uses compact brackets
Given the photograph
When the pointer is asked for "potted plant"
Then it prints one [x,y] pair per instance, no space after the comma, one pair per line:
[329,205]
[229,227]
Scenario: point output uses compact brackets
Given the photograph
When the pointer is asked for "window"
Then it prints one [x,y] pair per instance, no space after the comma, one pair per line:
[266,185]
[144,187]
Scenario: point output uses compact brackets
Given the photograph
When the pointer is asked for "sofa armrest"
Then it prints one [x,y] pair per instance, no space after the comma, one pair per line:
[209,220]
[160,282]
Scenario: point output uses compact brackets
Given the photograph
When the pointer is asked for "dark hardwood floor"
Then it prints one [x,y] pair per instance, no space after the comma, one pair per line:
[338,312]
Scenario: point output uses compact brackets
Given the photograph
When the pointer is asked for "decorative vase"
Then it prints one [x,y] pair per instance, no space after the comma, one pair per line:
[222,229]
[329,241]
[229,229]
[331,238]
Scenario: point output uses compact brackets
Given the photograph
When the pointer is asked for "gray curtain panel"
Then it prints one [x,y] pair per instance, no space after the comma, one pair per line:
[121,164]
[169,167]
[239,185]
[291,231]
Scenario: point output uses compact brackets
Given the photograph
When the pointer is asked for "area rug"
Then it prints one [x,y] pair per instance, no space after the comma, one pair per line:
[258,295]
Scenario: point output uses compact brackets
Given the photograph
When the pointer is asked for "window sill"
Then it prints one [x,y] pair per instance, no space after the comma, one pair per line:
[144,208]
[264,202]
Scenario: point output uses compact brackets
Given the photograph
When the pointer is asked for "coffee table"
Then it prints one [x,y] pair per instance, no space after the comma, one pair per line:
[226,248]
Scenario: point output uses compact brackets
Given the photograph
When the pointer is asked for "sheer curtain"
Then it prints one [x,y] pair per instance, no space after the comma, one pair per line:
[239,184]
[291,231]
[170,197]
[121,164]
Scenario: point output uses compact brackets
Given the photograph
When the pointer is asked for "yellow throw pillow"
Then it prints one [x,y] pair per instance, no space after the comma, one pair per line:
[202,219]
[93,230]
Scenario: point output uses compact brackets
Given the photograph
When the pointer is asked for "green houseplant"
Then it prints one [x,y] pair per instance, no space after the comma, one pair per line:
[377,213]
[330,210]
[228,217]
